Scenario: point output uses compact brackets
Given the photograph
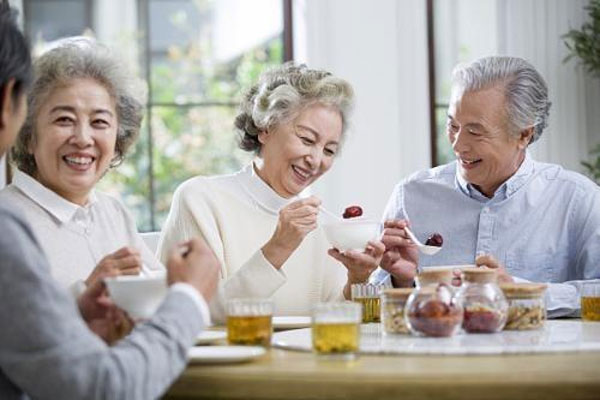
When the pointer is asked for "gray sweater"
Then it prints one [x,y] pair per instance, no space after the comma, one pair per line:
[47,351]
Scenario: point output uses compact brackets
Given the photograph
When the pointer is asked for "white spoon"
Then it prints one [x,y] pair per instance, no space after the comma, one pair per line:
[425,249]
[329,214]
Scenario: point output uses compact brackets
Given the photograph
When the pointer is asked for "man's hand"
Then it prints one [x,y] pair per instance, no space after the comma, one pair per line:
[401,255]
[490,261]
[197,266]
[125,261]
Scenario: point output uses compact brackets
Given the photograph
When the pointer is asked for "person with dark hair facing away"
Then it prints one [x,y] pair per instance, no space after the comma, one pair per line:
[47,350]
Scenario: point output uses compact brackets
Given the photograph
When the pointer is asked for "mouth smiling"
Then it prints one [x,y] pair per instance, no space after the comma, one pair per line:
[469,163]
[302,174]
[79,162]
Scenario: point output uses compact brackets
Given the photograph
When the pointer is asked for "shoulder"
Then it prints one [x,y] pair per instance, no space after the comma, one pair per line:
[443,174]
[565,179]
[14,227]
[205,188]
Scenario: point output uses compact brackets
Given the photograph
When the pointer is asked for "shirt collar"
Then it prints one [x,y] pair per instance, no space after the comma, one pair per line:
[59,207]
[262,193]
[507,189]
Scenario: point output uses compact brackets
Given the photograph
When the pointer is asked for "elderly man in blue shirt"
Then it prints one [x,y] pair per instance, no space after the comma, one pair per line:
[540,222]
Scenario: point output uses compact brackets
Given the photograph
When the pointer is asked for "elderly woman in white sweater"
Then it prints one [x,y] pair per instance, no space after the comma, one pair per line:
[85,111]
[261,221]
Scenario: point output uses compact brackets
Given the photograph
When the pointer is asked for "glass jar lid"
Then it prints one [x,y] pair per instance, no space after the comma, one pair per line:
[397,293]
[523,290]
[433,275]
[479,275]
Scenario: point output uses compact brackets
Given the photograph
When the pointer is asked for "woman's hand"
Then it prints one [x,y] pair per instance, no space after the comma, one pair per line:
[401,255]
[296,220]
[359,265]
[125,261]
[101,315]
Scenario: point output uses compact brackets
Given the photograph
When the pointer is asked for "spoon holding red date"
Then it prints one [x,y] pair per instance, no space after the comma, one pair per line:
[432,245]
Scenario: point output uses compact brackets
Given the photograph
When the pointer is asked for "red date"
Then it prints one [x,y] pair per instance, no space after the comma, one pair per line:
[435,240]
[352,212]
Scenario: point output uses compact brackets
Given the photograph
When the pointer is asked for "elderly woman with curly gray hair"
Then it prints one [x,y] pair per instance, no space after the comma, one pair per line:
[84,113]
[262,222]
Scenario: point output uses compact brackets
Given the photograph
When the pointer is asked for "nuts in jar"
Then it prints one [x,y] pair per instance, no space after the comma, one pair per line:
[392,310]
[526,307]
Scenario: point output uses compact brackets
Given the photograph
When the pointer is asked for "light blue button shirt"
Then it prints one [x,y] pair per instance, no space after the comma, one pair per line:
[543,224]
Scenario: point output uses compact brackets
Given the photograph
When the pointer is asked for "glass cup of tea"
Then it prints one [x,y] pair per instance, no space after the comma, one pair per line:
[336,329]
[590,301]
[249,322]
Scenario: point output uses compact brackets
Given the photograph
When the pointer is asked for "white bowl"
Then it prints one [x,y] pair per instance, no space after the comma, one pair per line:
[352,233]
[140,296]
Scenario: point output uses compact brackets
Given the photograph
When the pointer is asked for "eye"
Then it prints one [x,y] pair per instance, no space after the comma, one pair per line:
[329,152]
[452,127]
[474,132]
[100,123]
[307,140]
[64,120]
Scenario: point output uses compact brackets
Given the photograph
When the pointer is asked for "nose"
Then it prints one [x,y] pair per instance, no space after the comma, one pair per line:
[459,141]
[82,136]
[314,157]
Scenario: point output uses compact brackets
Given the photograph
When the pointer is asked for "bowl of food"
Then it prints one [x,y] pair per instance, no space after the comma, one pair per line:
[352,231]
[138,295]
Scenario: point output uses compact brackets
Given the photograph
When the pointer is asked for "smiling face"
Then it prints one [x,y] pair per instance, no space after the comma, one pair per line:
[74,140]
[477,127]
[297,153]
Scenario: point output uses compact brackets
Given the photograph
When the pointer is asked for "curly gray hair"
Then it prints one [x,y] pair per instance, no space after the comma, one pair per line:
[525,90]
[76,58]
[282,93]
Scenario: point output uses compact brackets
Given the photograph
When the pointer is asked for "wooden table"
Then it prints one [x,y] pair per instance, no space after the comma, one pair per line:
[283,374]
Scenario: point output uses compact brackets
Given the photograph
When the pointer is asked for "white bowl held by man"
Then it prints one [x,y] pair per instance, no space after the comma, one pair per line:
[352,234]
[139,296]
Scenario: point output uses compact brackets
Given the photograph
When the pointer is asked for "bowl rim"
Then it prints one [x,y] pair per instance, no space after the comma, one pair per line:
[134,278]
[353,221]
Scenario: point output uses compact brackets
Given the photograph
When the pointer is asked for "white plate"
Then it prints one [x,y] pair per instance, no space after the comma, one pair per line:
[223,354]
[291,322]
[208,337]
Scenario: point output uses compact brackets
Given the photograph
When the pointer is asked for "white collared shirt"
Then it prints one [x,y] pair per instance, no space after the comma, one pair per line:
[76,238]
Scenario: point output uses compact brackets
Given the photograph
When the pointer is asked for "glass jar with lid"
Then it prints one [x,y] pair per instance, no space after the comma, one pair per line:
[433,308]
[484,304]
[392,310]
[367,295]
[526,305]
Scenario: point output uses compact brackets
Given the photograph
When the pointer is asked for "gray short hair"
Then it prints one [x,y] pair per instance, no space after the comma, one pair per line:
[76,58]
[283,92]
[525,90]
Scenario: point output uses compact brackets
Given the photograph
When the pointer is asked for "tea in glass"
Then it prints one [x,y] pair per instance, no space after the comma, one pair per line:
[590,301]
[368,296]
[249,322]
[336,329]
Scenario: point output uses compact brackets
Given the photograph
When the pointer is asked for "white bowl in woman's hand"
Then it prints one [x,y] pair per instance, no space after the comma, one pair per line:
[138,295]
[352,233]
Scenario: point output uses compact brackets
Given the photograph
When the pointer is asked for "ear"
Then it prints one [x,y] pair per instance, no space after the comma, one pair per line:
[263,136]
[7,102]
[525,137]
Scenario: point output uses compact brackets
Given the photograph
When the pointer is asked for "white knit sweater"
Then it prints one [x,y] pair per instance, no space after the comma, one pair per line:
[237,214]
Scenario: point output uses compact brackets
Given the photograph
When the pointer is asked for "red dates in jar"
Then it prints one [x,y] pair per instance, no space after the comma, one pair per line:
[433,317]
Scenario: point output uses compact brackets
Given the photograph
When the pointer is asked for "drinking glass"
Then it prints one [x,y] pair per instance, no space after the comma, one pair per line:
[336,329]
[249,322]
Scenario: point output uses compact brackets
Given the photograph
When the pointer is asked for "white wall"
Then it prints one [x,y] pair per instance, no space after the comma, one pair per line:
[380,47]
[532,29]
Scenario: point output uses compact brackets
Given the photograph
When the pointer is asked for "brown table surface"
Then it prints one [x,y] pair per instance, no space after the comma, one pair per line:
[283,374]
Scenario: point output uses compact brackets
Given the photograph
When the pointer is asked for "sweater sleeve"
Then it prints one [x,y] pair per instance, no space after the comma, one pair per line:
[194,213]
[47,351]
